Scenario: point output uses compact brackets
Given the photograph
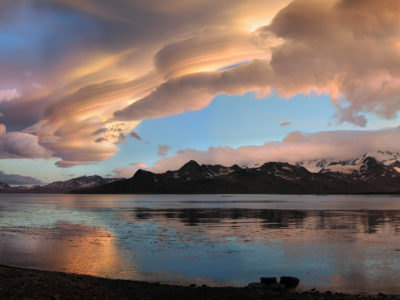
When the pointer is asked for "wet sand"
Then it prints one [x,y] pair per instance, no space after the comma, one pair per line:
[18,283]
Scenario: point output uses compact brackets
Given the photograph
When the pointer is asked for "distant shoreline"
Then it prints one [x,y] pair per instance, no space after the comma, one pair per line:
[20,283]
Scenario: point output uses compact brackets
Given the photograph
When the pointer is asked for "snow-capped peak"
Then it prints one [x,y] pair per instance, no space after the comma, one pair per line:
[386,157]
[350,166]
[315,165]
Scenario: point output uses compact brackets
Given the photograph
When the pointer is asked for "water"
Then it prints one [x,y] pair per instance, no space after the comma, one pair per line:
[342,243]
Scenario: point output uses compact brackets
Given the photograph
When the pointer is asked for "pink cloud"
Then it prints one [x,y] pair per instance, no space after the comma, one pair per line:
[129,171]
[8,95]
[21,145]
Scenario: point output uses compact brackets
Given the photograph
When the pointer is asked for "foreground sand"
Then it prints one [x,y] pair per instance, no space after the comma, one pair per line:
[17,283]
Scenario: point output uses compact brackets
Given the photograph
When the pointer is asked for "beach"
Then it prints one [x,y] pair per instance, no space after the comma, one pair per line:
[19,283]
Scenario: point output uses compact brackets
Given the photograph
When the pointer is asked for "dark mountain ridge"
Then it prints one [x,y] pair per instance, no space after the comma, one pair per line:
[366,175]
[377,172]
[59,187]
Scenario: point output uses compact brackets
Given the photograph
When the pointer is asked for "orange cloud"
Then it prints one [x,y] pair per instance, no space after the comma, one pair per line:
[346,49]
[149,61]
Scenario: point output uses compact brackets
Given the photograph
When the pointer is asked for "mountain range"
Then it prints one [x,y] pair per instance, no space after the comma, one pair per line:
[59,187]
[375,172]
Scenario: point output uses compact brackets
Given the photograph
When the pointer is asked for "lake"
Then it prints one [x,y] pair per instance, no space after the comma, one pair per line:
[347,243]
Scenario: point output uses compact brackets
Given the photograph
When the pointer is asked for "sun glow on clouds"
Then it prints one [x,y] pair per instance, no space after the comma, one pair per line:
[252,24]
[96,65]
[139,60]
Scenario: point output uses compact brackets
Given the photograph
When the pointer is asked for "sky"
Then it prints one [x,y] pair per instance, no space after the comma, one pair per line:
[108,87]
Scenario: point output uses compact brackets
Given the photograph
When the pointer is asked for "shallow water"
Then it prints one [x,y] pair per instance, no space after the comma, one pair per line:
[344,243]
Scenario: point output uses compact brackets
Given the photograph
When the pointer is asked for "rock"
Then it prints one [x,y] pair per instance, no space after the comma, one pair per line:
[289,281]
[268,280]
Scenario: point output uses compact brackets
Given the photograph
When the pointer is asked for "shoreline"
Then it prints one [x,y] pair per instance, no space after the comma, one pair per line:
[21,283]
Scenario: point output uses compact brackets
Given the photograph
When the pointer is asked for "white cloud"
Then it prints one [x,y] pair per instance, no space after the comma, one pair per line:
[8,95]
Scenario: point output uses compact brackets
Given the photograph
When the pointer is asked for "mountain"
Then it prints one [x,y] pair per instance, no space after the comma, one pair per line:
[59,187]
[391,159]
[363,175]
[4,187]
[374,172]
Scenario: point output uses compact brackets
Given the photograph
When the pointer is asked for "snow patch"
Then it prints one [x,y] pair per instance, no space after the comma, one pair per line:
[345,169]
[353,165]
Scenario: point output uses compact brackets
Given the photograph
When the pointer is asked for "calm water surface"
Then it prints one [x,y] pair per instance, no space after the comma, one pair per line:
[343,243]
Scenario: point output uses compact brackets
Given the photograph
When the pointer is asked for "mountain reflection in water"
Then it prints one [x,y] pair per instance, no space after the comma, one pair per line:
[365,221]
[345,243]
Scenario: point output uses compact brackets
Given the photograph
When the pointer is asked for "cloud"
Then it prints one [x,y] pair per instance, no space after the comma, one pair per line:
[75,144]
[100,140]
[99,131]
[21,145]
[120,54]
[348,48]
[134,60]
[8,95]
[15,179]
[296,146]
[208,51]
[345,48]
[135,136]
[70,163]
[283,124]
[129,171]
[163,150]
[195,91]
[3,130]
[121,139]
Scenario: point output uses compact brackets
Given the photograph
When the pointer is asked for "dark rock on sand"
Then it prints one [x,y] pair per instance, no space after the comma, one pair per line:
[289,281]
[268,280]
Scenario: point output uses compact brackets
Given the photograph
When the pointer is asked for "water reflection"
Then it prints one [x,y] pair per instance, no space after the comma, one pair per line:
[68,247]
[347,243]
[365,221]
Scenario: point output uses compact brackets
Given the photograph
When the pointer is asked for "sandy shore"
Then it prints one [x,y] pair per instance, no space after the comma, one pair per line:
[17,283]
